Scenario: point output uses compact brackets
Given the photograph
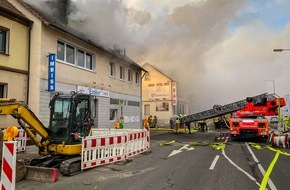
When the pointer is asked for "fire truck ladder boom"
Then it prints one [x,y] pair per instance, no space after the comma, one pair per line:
[223,110]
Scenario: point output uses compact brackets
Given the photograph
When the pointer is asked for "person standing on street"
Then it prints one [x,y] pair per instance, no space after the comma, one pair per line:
[177,123]
[155,120]
[286,123]
[150,121]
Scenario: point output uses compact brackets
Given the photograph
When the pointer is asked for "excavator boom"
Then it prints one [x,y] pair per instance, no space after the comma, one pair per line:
[20,111]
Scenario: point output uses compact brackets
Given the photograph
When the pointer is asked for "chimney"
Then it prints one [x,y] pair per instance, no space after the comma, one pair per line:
[60,8]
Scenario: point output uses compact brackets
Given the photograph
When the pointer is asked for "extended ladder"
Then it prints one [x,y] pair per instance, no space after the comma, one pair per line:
[223,110]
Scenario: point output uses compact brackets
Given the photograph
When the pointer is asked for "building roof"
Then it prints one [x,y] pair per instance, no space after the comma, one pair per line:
[9,10]
[158,70]
[56,23]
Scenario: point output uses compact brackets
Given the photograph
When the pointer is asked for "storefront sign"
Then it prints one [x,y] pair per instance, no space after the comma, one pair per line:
[94,91]
[174,94]
[51,72]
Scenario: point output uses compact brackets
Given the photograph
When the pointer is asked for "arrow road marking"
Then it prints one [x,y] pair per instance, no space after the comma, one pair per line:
[185,147]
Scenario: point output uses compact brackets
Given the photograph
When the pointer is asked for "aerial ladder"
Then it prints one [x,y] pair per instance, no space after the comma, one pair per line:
[249,119]
[223,110]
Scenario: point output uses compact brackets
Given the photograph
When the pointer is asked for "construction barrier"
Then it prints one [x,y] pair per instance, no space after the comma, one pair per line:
[21,140]
[109,146]
[8,174]
[222,137]
[279,140]
[137,143]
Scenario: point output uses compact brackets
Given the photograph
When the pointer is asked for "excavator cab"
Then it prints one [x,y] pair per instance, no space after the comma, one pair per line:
[70,118]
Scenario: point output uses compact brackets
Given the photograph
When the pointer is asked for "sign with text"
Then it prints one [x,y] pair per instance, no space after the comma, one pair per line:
[51,72]
[174,94]
[159,91]
[93,91]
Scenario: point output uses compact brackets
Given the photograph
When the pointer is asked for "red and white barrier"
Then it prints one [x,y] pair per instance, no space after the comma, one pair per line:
[98,151]
[8,174]
[109,146]
[279,140]
[21,140]
[137,143]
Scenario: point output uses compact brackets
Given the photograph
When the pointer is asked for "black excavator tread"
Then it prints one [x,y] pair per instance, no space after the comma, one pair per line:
[70,166]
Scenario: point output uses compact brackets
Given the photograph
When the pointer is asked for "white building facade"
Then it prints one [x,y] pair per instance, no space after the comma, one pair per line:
[161,96]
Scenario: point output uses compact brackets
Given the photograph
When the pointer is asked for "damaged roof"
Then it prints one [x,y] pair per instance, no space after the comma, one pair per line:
[54,22]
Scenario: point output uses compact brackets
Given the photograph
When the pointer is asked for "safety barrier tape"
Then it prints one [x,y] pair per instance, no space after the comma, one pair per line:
[258,146]
[272,164]
[168,143]
[215,146]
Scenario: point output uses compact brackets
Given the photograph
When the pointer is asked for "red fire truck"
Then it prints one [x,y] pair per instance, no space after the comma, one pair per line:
[250,121]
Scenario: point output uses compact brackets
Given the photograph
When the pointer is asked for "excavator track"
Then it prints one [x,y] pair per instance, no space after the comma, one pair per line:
[70,166]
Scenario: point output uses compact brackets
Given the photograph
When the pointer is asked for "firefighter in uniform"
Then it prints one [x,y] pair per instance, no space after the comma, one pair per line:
[177,123]
[286,123]
[155,120]
[150,120]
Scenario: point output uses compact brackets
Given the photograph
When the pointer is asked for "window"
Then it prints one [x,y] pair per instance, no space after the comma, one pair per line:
[4,39]
[72,55]
[81,58]
[113,114]
[137,78]
[89,62]
[112,69]
[114,101]
[117,101]
[59,122]
[3,90]
[82,110]
[60,51]
[147,109]
[129,75]
[133,103]
[122,73]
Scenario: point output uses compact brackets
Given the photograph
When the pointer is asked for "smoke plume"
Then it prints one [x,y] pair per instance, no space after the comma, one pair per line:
[215,52]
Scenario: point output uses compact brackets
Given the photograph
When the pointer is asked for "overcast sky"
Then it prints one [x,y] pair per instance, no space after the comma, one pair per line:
[219,51]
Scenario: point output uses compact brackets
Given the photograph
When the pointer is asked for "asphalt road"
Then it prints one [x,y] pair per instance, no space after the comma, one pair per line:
[179,166]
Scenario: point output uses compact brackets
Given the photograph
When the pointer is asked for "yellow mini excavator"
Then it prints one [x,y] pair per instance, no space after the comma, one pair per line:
[71,118]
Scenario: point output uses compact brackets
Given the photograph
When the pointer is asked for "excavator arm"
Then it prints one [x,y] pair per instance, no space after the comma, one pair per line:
[27,120]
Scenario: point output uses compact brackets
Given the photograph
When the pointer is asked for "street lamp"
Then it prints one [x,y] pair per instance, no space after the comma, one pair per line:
[280,50]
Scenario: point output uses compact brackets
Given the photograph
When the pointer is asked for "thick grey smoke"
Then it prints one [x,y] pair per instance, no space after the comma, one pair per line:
[176,40]
[191,41]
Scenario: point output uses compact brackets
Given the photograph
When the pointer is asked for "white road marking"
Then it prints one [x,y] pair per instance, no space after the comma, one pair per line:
[174,152]
[239,168]
[270,182]
[214,162]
